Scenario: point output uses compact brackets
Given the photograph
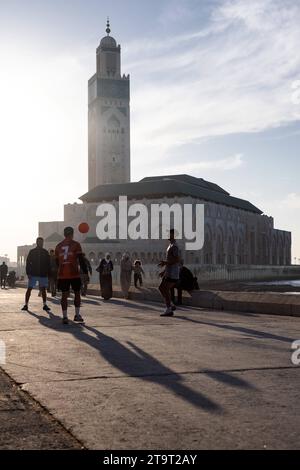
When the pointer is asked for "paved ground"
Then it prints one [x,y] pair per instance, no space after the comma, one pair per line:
[26,425]
[129,379]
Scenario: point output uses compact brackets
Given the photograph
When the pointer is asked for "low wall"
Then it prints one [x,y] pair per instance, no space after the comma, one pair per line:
[245,272]
[242,302]
[217,273]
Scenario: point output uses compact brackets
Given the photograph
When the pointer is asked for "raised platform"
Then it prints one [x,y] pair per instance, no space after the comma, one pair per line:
[272,303]
[250,302]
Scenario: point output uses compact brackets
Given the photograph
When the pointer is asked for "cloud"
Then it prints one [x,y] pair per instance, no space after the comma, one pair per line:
[292,201]
[295,98]
[234,75]
[177,10]
[198,167]
[258,15]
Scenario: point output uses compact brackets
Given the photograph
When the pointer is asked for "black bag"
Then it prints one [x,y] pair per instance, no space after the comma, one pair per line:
[195,284]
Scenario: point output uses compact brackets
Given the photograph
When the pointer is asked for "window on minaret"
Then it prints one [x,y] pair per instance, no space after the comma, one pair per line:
[111,63]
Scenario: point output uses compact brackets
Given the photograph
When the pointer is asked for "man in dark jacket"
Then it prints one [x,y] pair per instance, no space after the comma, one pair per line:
[3,274]
[38,270]
[85,278]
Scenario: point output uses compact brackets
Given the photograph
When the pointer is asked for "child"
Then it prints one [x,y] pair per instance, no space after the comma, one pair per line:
[138,271]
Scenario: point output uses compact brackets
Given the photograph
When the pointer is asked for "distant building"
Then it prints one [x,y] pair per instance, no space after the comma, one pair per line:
[236,232]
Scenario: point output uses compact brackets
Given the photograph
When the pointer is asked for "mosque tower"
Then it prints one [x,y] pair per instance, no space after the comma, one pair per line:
[108,117]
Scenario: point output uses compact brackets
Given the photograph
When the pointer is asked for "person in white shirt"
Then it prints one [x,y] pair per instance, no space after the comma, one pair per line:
[170,275]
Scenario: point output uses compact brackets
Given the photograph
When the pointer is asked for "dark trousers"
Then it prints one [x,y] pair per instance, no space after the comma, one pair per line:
[3,281]
[52,285]
[85,279]
[179,295]
[138,278]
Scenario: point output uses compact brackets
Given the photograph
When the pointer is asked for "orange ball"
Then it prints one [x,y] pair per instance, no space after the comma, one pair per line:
[83,227]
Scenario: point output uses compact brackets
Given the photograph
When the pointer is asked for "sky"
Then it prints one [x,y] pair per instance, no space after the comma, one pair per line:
[215,93]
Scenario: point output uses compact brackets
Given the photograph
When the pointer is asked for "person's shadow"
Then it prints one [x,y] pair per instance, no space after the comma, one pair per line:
[240,329]
[132,361]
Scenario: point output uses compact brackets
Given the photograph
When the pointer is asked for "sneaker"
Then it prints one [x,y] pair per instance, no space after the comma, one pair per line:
[78,318]
[25,308]
[167,313]
[65,321]
[46,308]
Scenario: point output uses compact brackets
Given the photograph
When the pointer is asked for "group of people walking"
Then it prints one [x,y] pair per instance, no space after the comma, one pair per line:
[7,278]
[67,268]
[105,269]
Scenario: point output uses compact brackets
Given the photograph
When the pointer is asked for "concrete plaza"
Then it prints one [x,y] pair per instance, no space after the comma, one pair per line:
[129,379]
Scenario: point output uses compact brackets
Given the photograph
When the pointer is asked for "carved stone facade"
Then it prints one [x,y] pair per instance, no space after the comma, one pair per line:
[236,237]
[233,235]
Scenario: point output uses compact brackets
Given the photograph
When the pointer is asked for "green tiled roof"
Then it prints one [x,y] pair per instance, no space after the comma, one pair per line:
[172,185]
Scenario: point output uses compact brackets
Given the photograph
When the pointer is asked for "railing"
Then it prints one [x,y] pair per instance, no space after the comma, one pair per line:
[216,273]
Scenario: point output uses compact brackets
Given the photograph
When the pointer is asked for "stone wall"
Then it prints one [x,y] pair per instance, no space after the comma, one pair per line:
[208,272]
[216,273]
[232,236]
[236,241]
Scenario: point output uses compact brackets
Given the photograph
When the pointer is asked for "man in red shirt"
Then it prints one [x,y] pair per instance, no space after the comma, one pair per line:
[69,257]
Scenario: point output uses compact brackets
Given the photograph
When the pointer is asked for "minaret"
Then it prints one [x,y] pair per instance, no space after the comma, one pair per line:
[109,117]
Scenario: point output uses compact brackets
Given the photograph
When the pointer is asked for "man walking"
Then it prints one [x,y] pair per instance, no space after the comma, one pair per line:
[3,274]
[170,275]
[69,256]
[85,278]
[53,274]
[37,270]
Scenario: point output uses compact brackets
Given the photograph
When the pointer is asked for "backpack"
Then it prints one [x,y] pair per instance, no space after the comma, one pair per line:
[195,284]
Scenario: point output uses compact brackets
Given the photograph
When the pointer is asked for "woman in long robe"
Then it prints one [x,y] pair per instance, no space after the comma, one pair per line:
[104,269]
[125,274]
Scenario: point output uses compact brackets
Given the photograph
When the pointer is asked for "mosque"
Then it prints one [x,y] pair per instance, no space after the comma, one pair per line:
[236,232]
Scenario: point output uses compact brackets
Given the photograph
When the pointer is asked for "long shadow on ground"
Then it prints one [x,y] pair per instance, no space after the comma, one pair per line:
[240,329]
[132,361]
